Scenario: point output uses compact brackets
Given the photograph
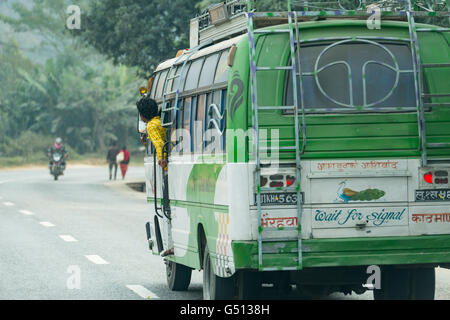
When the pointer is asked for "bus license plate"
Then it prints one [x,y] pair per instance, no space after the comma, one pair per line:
[433,195]
[280,198]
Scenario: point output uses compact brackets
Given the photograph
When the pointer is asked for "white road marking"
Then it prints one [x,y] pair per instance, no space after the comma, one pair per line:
[96,259]
[47,224]
[67,238]
[8,204]
[142,291]
[26,212]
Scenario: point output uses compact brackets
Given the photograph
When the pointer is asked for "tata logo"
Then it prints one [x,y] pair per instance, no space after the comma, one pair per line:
[357,64]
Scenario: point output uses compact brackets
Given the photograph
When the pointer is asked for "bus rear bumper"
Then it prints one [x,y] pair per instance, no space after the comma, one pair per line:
[412,250]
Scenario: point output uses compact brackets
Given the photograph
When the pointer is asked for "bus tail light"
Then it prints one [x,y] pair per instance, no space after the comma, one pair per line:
[263,181]
[441,180]
[290,181]
[441,177]
[435,178]
[277,180]
[428,177]
[276,184]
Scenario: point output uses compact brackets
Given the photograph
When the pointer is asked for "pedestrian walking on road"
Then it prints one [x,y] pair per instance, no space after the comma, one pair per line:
[124,162]
[111,159]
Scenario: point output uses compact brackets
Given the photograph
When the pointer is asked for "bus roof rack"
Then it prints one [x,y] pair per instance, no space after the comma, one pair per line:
[228,19]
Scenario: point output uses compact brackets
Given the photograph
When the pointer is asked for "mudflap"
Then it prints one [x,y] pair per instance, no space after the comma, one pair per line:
[149,236]
[159,241]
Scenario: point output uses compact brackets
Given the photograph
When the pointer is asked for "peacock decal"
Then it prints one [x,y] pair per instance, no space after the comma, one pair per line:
[347,194]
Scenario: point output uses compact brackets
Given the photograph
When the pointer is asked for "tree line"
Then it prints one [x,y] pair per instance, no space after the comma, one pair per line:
[82,84]
[86,90]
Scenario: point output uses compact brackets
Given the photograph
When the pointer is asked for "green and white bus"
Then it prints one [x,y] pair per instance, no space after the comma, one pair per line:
[305,147]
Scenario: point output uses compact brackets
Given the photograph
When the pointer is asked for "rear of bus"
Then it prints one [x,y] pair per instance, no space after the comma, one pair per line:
[368,202]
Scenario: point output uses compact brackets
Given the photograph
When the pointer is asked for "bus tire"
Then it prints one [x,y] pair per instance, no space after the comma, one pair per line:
[423,284]
[178,276]
[215,287]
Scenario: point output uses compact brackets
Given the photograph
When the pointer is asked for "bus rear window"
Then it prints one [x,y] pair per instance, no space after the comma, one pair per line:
[208,70]
[161,82]
[173,83]
[222,68]
[154,85]
[193,73]
[354,76]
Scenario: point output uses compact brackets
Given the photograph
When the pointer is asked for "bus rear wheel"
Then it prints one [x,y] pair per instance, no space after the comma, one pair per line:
[178,276]
[215,287]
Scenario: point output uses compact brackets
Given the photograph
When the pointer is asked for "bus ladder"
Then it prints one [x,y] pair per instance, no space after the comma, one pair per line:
[419,68]
[169,109]
[295,72]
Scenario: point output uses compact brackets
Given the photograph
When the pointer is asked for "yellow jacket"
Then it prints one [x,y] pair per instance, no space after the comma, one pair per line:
[157,134]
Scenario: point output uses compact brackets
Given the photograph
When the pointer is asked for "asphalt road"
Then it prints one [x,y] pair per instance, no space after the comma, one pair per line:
[82,225]
[83,237]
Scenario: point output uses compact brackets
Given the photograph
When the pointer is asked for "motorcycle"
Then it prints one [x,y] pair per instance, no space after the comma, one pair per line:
[56,168]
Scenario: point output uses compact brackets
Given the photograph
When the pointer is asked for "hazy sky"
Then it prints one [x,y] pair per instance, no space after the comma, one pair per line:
[29,42]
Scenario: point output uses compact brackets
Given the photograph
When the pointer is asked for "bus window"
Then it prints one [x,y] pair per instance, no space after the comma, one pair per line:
[154,85]
[184,75]
[150,148]
[179,124]
[198,126]
[191,127]
[208,70]
[214,121]
[180,114]
[193,74]
[373,83]
[186,125]
[172,82]
[222,68]
[159,88]
[166,117]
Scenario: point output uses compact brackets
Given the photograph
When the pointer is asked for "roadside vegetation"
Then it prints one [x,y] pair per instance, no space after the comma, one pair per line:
[81,84]
[60,88]
[30,149]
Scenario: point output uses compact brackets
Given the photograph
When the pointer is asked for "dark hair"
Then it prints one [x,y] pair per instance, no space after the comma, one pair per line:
[124,148]
[148,108]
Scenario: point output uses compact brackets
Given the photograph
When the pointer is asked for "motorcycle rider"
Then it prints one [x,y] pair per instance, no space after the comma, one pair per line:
[57,147]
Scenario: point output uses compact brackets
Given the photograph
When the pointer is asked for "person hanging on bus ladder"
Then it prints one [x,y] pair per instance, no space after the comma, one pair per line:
[149,113]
